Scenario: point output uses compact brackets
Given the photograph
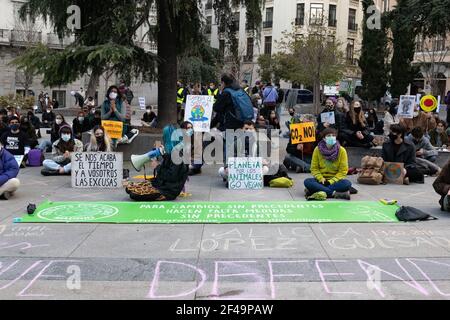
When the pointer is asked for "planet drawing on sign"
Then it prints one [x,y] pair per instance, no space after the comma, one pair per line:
[198,113]
[393,171]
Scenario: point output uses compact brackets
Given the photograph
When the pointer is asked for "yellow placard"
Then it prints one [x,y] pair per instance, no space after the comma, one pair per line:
[113,128]
[429,103]
[303,132]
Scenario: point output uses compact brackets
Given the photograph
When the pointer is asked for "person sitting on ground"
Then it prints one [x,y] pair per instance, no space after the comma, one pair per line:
[170,178]
[100,141]
[9,170]
[61,164]
[390,118]
[27,128]
[60,121]
[426,155]
[3,121]
[80,125]
[261,123]
[342,105]
[48,118]
[329,167]
[338,117]
[149,118]
[95,118]
[89,103]
[400,151]
[422,119]
[15,141]
[438,136]
[273,120]
[442,187]
[372,119]
[194,168]
[35,122]
[355,132]
[299,157]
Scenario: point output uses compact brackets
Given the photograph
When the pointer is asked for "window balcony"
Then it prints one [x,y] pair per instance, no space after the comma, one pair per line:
[299,21]
[352,26]
[22,37]
[268,24]
[332,23]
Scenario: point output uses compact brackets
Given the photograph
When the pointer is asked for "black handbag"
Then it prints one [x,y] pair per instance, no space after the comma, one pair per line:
[412,214]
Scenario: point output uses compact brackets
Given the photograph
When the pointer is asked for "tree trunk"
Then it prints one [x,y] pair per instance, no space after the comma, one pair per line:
[316,88]
[93,81]
[167,69]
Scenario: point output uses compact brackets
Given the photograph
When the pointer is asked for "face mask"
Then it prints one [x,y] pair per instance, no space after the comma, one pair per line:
[439,130]
[65,137]
[149,111]
[100,139]
[330,141]
[260,102]
[58,121]
[357,110]
[113,95]
[392,137]
[190,132]
[81,119]
[14,127]
[48,111]
[292,114]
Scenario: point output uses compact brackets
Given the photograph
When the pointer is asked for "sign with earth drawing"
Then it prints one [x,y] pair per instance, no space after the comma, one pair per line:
[199,112]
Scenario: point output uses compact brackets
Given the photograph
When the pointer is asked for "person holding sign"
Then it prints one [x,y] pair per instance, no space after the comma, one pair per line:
[422,119]
[355,132]
[62,150]
[9,169]
[330,118]
[113,108]
[329,167]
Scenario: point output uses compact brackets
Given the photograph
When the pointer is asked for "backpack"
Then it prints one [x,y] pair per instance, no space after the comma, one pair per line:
[372,171]
[281,173]
[412,214]
[242,104]
[35,158]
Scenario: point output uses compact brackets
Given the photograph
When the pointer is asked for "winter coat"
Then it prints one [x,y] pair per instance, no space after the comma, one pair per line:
[170,178]
[406,154]
[9,168]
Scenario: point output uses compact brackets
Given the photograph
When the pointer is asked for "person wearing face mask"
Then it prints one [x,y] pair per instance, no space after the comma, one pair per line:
[27,128]
[195,143]
[401,151]
[100,141]
[390,118]
[329,167]
[338,117]
[426,154]
[61,164]
[149,118]
[355,132]
[113,109]
[48,118]
[15,141]
[9,170]
[46,145]
[80,125]
[422,119]
[438,136]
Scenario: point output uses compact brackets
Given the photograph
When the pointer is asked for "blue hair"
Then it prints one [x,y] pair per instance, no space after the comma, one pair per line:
[171,140]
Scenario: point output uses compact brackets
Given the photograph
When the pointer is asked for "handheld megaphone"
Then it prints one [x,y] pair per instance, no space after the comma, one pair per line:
[139,161]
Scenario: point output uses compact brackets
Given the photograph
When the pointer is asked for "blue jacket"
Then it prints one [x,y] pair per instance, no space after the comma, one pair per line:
[9,168]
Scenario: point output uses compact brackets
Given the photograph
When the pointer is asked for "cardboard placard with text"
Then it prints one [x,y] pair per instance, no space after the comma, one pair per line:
[303,132]
[113,128]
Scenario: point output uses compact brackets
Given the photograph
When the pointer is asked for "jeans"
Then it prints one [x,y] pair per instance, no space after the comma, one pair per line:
[305,164]
[44,145]
[52,165]
[314,186]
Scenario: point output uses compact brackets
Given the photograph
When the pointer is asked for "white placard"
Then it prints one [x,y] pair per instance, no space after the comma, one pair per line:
[97,170]
[19,159]
[406,107]
[142,104]
[245,174]
[328,117]
[199,112]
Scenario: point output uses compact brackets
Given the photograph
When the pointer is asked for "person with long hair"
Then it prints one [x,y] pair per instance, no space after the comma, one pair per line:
[100,141]
[355,132]
[390,118]
[61,164]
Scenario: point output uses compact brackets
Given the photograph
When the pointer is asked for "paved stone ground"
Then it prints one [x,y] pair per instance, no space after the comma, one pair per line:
[280,261]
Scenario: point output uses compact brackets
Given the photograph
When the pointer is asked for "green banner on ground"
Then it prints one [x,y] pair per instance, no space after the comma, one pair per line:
[211,212]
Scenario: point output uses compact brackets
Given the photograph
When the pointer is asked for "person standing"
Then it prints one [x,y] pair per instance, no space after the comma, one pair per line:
[270,98]
[213,91]
[182,94]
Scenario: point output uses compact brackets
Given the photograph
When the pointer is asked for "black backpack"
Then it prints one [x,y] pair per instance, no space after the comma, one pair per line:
[412,214]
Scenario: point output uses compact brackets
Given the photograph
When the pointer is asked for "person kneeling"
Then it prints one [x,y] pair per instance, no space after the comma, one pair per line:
[9,169]
[62,152]
[329,167]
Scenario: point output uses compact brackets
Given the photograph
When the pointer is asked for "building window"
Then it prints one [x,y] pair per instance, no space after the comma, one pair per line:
[250,46]
[316,14]
[419,43]
[352,20]
[350,51]
[208,25]
[209,5]
[269,18]
[300,17]
[268,45]
[332,19]
[439,43]
[222,48]
[60,96]
[236,24]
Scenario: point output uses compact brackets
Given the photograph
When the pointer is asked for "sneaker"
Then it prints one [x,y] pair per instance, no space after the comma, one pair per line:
[49,173]
[124,140]
[287,164]
[135,133]
[298,169]
[6,195]
[307,193]
[318,196]
[406,181]
[342,195]
[353,190]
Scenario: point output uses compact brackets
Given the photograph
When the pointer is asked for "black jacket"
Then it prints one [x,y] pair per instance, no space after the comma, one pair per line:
[406,154]
[351,129]
[339,121]
[170,178]
[79,128]
[226,111]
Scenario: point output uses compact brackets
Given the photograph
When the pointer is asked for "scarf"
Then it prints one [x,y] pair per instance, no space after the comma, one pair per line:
[329,154]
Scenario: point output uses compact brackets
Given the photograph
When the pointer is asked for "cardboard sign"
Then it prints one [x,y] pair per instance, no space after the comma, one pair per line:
[142,104]
[394,172]
[328,117]
[113,128]
[19,159]
[406,107]
[97,170]
[199,112]
[245,174]
[303,132]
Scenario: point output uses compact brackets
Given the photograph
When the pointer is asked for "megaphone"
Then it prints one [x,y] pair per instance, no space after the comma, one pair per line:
[138,161]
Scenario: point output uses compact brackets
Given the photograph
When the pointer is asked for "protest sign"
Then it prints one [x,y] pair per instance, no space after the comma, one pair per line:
[199,112]
[19,159]
[429,103]
[328,117]
[245,174]
[394,172]
[303,132]
[142,104]
[406,107]
[97,170]
[113,128]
